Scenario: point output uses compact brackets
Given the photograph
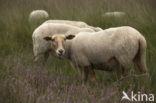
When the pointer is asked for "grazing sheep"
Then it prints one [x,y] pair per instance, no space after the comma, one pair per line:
[75,23]
[108,50]
[37,17]
[114,14]
[41,48]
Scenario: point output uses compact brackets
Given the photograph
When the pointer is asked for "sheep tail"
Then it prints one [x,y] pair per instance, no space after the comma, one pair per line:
[140,59]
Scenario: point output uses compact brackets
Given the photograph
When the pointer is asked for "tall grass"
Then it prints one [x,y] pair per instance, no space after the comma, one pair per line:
[22,81]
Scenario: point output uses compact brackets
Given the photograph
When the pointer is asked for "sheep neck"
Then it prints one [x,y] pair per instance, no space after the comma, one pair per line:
[68,49]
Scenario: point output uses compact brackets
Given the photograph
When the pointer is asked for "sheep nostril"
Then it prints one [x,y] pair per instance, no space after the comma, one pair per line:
[61,51]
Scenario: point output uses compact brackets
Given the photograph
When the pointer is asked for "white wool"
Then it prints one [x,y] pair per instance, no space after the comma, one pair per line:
[41,47]
[122,43]
[36,17]
[75,23]
[114,14]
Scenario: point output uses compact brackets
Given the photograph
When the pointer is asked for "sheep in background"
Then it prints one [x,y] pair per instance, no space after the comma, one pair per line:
[41,48]
[108,50]
[37,17]
[114,14]
[75,23]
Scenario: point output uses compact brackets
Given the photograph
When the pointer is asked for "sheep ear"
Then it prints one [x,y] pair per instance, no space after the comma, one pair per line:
[69,37]
[47,38]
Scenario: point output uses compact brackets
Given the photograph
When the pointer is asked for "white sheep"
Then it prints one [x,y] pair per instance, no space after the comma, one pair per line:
[107,50]
[75,23]
[114,14]
[37,17]
[41,48]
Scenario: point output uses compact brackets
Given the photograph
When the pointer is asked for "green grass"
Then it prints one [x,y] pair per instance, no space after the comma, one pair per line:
[17,70]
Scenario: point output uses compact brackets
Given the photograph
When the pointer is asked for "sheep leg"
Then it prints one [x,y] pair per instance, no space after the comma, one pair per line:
[41,58]
[86,71]
[46,55]
[92,73]
[89,70]
[123,71]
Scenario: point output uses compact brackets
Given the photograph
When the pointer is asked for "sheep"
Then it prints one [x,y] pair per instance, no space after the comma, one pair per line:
[42,48]
[75,23]
[36,17]
[106,50]
[114,14]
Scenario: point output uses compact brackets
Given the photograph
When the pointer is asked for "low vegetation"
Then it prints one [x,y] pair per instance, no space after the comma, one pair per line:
[23,81]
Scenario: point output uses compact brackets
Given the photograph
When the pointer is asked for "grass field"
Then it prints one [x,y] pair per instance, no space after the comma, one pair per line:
[23,81]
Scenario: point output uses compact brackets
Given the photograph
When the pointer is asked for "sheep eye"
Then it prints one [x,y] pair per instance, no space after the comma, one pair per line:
[52,40]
